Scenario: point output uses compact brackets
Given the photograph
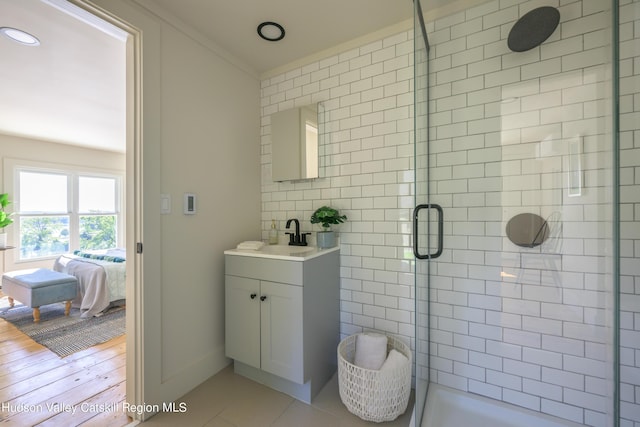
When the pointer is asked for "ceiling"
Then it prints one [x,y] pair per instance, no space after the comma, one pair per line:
[70,88]
[67,89]
[311,26]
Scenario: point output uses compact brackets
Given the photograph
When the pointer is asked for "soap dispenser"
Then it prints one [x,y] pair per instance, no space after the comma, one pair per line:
[273,233]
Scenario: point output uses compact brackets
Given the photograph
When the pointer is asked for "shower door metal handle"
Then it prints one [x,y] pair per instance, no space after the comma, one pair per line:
[416,211]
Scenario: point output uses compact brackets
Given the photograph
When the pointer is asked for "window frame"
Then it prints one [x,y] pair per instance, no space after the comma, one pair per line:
[73,174]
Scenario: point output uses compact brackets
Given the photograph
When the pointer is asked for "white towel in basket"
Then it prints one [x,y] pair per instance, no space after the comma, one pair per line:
[395,360]
[371,350]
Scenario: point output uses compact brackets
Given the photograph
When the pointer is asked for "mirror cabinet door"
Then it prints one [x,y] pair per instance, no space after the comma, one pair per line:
[294,144]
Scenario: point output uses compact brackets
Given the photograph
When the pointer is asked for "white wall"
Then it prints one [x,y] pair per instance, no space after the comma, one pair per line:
[210,148]
[200,131]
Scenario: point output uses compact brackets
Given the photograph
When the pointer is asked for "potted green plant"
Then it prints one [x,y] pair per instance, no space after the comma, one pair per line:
[326,217]
[5,218]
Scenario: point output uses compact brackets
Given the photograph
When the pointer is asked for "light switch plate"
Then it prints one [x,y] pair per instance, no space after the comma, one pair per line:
[165,204]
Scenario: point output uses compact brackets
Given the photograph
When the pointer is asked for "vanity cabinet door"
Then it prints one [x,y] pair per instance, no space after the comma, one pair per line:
[281,322]
[242,320]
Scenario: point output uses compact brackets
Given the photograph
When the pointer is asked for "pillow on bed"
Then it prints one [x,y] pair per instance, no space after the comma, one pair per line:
[101,257]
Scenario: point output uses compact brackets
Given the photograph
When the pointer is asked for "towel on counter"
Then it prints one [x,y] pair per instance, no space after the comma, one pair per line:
[371,350]
[253,245]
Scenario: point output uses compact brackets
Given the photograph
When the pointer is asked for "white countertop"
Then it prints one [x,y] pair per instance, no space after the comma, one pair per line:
[284,252]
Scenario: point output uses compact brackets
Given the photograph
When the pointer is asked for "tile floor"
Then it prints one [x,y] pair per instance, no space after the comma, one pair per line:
[228,399]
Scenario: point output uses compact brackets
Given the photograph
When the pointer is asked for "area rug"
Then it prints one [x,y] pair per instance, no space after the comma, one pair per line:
[65,335]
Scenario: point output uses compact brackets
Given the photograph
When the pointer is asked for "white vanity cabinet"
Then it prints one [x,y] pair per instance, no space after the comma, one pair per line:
[265,326]
[282,319]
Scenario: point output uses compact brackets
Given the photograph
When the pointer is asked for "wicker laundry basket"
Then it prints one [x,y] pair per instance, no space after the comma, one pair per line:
[370,394]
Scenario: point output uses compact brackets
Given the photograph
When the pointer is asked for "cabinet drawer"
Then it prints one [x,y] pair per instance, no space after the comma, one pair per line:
[273,270]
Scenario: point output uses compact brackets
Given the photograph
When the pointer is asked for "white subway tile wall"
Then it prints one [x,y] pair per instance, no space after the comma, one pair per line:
[629,213]
[527,326]
[367,99]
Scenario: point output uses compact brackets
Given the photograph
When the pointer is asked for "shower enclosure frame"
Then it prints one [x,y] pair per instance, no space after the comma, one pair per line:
[427,229]
[421,197]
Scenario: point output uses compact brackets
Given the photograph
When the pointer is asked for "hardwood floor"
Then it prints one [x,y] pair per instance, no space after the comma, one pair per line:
[38,388]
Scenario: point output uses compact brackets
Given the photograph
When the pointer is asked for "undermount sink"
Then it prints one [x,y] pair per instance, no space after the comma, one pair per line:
[285,252]
[286,249]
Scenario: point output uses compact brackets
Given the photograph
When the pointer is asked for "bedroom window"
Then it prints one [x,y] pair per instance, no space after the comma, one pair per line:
[97,207]
[62,211]
[44,218]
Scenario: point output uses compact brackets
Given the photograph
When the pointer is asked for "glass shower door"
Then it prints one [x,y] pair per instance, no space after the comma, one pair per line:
[421,226]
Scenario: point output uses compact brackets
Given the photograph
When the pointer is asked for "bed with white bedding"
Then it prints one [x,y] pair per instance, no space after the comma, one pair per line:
[101,278]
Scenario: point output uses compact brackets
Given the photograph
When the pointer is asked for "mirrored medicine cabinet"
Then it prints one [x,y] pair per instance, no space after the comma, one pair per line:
[294,144]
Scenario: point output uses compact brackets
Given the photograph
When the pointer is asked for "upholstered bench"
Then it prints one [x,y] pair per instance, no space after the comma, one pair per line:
[39,286]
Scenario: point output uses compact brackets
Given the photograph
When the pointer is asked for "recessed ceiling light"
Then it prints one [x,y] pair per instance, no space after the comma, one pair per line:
[271,31]
[20,36]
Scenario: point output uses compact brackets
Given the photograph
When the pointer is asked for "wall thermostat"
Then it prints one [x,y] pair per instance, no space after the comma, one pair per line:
[189,203]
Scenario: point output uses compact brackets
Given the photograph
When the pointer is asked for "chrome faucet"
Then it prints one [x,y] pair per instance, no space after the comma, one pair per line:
[296,239]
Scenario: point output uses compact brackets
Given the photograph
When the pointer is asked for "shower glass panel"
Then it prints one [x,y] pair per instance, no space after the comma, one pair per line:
[629,131]
[421,127]
[518,149]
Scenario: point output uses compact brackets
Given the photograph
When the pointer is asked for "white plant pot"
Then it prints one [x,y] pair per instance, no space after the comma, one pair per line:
[3,240]
[326,239]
